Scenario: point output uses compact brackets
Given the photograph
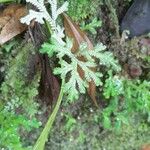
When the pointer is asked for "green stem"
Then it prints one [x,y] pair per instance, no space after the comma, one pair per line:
[40,143]
[48,27]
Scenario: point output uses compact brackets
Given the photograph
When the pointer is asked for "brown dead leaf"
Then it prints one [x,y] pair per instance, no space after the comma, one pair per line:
[10,30]
[146,147]
[78,36]
[3,21]
[49,86]
[11,10]
[10,25]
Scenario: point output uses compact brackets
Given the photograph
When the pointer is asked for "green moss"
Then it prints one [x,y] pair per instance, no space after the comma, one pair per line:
[82,9]
[18,91]
[87,133]
[11,125]
[18,104]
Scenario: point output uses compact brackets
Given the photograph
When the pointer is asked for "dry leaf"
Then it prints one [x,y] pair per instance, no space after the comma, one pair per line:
[146,147]
[10,25]
[49,86]
[3,21]
[10,10]
[78,36]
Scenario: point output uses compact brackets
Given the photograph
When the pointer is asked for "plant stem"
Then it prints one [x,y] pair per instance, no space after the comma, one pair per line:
[40,143]
[48,27]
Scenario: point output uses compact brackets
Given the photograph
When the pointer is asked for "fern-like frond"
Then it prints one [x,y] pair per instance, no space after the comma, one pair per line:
[38,16]
[62,8]
[73,82]
[43,14]
[105,58]
[88,73]
[69,70]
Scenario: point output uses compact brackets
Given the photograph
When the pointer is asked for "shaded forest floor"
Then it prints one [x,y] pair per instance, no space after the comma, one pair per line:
[78,126]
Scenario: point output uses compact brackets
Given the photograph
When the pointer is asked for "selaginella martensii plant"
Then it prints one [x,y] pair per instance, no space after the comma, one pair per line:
[72,83]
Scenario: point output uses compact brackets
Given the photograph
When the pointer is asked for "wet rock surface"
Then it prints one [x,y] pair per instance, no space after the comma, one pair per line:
[137,18]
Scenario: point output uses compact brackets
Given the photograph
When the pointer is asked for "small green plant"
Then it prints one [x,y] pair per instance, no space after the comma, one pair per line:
[72,83]
[86,17]
[91,26]
[11,125]
[75,84]
[126,98]
[76,11]
[7,47]
[70,123]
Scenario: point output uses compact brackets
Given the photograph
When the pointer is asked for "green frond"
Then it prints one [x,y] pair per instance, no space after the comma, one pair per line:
[43,14]
[69,70]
